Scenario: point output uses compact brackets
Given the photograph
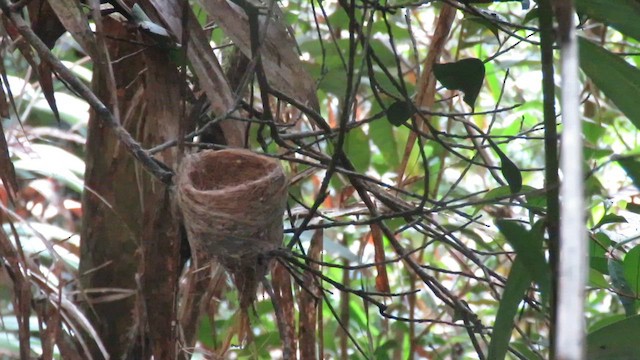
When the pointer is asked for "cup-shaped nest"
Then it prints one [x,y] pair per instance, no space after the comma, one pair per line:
[232,202]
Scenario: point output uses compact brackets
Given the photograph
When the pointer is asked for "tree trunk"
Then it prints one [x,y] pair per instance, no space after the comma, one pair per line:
[130,237]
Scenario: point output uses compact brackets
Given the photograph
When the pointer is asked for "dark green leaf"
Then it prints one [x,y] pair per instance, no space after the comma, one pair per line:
[528,246]
[632,269]
[632,207]
[399,112]
[510,171]
[606,321]
[610,219]
[466,75]
[599,264]
[531,15]
[535,198]
[621,15]
[599,245]
[486,23]
[632,167]
[622,287]
[617,79]
[618,341]
[517,283]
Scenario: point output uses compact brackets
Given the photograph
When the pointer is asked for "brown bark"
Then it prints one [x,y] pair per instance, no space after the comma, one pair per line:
[111,223]
[129,230]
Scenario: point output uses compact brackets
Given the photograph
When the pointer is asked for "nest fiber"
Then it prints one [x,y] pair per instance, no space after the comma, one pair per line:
[232,202]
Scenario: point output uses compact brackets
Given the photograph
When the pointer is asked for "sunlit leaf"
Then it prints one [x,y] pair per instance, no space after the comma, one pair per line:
[466,75]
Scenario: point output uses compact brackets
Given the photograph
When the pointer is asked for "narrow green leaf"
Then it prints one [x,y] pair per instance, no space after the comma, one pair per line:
[528,246]
[617,79]
[517,283]
[466,75]
[510,170]
[621,15]
[631,267]
[618,341]
[399,112]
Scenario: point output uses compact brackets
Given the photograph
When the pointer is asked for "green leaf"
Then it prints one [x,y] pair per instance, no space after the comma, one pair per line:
[610,219]
[357,148]
[599,245]
[205,332]
[399,112]
[531,15]
[621,15]
[466,75]
[618,341]
[631,166]
[486,23]
[596,279]
[510,171]
[382,135]
[517,283]
[617,79]
[631,267]
[528,246]
[622,287]
[599,264]
[633,207]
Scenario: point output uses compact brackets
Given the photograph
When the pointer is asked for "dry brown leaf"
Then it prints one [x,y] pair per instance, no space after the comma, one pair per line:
[7,171]
[205,65]
[307,332]
[382,280]
[283,67]
[4,104]
[76,23]
[44,22]
[46,83]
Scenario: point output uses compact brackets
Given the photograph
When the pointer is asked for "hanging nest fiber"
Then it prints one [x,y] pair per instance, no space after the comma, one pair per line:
[232,202]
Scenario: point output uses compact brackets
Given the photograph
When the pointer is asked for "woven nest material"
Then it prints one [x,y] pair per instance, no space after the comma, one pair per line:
[232,202]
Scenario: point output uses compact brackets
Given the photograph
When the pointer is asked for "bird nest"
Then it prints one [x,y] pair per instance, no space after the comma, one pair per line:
[232,202]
